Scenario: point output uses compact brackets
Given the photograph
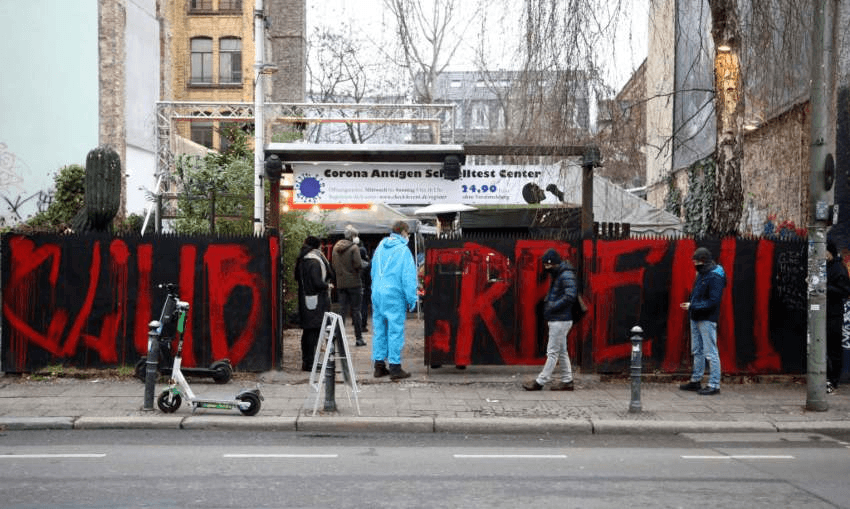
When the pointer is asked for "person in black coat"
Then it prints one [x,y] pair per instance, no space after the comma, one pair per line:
[366,278]
[314,275]
[837,291]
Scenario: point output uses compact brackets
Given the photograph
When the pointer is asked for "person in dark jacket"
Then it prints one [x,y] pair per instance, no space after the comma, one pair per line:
[366,279]
[837,291]
[704,309]
[348,265]
[314,274]
[557,311]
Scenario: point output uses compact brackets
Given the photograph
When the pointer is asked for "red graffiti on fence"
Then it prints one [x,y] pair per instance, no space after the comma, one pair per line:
[487,276]
[35,319]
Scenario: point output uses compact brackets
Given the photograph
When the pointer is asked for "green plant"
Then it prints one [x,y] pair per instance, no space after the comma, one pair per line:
[228,178]
[294,228]
[699,202]
[673,199]
[65,200]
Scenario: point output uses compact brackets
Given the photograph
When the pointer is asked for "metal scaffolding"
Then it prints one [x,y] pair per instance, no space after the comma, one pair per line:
[437,118]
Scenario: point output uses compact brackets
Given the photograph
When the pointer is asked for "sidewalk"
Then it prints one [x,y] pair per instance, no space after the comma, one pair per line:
[479,399]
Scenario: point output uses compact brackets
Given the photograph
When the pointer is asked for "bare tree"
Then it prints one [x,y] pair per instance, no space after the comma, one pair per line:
[337,73]
[429,36]
[728,199]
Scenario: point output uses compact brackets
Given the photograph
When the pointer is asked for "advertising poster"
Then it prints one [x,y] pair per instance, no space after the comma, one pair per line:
[417,184]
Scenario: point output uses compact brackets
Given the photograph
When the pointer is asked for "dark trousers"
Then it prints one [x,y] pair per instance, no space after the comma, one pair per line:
[834,350]
[350,302]
[364,305]
[309,340]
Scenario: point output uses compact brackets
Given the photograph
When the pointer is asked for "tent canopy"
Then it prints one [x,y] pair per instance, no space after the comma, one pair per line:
[378,219]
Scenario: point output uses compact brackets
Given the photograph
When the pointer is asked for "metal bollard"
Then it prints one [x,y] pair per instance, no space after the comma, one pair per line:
[637,339]
[330,379]
[151,364]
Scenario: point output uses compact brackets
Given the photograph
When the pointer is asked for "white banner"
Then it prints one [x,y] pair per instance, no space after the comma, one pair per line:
[423,184]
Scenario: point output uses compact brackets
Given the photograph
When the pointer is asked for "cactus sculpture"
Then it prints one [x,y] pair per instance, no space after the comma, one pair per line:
[103,187]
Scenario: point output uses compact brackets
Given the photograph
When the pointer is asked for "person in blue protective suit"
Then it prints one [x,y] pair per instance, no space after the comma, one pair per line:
[704,309]
[394,286]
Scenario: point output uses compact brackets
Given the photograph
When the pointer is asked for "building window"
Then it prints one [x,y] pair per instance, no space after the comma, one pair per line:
[230,5]
[201,61]
[202,133]
[200,5]
[480,117]
[230,61]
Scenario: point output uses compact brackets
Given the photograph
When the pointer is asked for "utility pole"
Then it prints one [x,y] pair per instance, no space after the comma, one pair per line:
[259,89]
[821,179]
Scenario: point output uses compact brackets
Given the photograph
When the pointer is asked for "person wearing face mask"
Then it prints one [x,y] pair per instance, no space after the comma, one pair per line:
[557,311]
[704,310]
[394,287]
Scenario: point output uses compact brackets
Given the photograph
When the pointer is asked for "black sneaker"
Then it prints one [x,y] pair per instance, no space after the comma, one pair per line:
[830,388]
[359,342]
[708,391]
[396,373]
[532,386]
[690,386]
[380,369]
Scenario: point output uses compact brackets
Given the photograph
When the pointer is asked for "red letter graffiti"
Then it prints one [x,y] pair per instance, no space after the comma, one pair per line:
[226,266]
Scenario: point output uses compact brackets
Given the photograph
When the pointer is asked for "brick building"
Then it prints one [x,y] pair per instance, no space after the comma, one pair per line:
[208,56]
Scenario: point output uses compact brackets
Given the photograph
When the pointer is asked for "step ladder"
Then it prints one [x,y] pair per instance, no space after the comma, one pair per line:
[331,343]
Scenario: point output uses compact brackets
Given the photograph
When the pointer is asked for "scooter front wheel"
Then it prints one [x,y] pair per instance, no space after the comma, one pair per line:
[222,371]
[169,401]
[254,401]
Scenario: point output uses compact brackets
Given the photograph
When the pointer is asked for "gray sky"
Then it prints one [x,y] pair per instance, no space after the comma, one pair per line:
[623,55]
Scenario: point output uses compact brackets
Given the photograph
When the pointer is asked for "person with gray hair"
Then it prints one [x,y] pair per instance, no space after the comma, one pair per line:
[347,265]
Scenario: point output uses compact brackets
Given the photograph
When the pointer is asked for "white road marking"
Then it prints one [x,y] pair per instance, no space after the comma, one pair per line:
[511,456]
[281,455]
[49,456]
[740,457]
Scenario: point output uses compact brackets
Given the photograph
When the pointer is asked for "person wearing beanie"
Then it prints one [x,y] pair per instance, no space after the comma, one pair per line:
[837,291]
[704,310]
[347,265]
[557,311]
[314,275]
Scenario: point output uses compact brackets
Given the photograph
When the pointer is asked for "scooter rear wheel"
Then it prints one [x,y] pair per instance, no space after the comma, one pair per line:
[169,401]
[253,399]
[222,371]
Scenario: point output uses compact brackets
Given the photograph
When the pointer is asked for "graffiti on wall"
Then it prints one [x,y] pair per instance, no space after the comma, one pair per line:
[86,300]
[484,298]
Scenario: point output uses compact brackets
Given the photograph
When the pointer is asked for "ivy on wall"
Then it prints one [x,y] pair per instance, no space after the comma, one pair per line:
[673,199]
[702,192]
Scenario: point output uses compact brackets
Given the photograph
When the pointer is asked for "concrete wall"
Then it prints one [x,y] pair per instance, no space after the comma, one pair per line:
[142,92]
[48,96]
[659,92]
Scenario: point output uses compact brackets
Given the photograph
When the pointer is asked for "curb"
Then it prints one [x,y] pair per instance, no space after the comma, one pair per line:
[512,425]
[612,427]
[36,423]
[457,425]
[365,424]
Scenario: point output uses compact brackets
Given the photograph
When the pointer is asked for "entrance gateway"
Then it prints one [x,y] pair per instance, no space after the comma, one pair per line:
[355,176]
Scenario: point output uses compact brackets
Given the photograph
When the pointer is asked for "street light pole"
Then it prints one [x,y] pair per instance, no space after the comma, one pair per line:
[821,178]
[259,135]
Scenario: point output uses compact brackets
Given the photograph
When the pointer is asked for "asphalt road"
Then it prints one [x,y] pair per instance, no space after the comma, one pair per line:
[180,468]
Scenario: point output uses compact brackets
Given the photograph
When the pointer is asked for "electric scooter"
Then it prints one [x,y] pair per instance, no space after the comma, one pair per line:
[221,371]
[247,401]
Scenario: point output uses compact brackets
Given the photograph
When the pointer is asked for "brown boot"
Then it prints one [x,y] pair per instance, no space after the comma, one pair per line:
[532,386]
[563,386]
